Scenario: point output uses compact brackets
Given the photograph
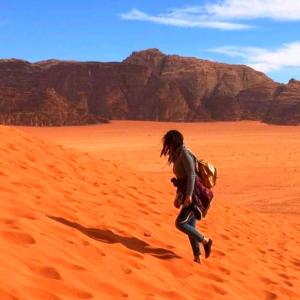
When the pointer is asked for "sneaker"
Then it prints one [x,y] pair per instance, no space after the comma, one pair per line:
[207,248]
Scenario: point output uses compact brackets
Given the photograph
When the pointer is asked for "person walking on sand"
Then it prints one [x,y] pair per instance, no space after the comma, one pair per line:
[184,169]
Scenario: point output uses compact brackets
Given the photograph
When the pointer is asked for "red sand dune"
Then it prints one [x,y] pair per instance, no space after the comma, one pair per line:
[86,213]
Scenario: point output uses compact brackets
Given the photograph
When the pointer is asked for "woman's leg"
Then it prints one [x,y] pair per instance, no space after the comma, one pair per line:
[183,224]
[194,243]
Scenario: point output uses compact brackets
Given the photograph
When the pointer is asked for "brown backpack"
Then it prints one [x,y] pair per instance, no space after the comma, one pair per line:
[206,171]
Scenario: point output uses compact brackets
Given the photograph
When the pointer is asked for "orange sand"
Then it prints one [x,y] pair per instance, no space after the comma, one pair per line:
[86,213]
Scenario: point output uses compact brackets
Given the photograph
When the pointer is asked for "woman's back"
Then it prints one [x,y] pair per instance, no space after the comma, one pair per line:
[184,166]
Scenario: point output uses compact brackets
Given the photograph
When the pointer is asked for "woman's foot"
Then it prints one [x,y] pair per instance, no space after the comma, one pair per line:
[197,259]
[207,248]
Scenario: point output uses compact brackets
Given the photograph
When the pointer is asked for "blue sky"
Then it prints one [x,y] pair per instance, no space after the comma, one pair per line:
[264,34]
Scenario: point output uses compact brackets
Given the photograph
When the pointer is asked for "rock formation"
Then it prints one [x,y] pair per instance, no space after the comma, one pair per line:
[148,85]
[285,108]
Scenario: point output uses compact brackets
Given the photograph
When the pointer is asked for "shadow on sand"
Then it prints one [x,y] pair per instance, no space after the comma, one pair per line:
[107,236]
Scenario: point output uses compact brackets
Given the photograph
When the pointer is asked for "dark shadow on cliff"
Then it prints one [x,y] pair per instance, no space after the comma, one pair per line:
[107,236]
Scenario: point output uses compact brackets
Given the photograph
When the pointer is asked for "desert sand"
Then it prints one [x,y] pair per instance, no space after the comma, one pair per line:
[86,213]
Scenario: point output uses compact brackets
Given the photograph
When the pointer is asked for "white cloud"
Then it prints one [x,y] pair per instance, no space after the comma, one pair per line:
[182,19]
[253,9]
[224,14]
[265,60]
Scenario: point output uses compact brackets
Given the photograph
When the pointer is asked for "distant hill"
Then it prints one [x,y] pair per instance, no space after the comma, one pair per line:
[148,85]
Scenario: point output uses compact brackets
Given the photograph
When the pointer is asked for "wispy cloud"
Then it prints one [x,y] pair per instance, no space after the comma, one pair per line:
[224,14]
[287,56]
[182,18]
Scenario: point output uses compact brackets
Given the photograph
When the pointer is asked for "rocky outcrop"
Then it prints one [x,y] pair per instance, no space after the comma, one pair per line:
[208,90]
[148,85]
[285,108]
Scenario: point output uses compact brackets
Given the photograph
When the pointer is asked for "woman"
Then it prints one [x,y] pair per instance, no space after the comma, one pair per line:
[184,169]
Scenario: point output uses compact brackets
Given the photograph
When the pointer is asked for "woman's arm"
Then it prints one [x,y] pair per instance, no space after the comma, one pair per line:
[189,167]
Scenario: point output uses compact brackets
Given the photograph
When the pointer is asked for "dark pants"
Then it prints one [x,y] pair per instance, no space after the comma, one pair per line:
[186,222]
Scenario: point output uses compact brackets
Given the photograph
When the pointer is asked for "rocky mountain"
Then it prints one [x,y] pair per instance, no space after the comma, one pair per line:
[148,85]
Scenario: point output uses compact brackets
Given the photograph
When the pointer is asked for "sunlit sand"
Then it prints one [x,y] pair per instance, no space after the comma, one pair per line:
[86,213]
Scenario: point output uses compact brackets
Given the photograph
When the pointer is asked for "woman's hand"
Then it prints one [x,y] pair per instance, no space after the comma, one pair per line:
[187,200]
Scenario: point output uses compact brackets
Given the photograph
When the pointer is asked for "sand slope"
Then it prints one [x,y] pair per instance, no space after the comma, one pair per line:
[91,223]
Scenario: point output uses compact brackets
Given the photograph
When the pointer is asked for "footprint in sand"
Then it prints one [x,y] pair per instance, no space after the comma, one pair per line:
[128,194]
[143,211]
[11,222]
[296,263]
[218,253]
[127,271]
[267,280]
[147,195]
[213,277]
[12,147]
[133,187]
[284,276]
[25,167]
[288,283]
[19,238]
[30,157]
[112,291]
[224,237]
[26,139]
[120,195]
[45,271]
[216,288]
[67,265]
[67,193]
[224,270]
[271,296]
[159,213]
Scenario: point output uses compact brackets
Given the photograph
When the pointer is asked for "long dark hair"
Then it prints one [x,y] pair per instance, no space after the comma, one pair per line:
[171,141]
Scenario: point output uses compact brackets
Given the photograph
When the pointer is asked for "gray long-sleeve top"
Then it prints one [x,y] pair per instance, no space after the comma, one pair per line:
[184,165]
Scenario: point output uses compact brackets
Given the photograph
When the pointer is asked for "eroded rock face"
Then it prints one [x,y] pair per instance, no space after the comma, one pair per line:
[285,108]
[148,85]
[208,89]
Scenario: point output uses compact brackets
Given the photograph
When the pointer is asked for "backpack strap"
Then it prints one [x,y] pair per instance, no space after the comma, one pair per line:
[195,158]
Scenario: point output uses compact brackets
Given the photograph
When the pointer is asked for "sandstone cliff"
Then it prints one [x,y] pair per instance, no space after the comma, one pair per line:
[148,85]
[285,108]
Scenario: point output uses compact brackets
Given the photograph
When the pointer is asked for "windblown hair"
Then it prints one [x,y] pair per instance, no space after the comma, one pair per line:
[171,141]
